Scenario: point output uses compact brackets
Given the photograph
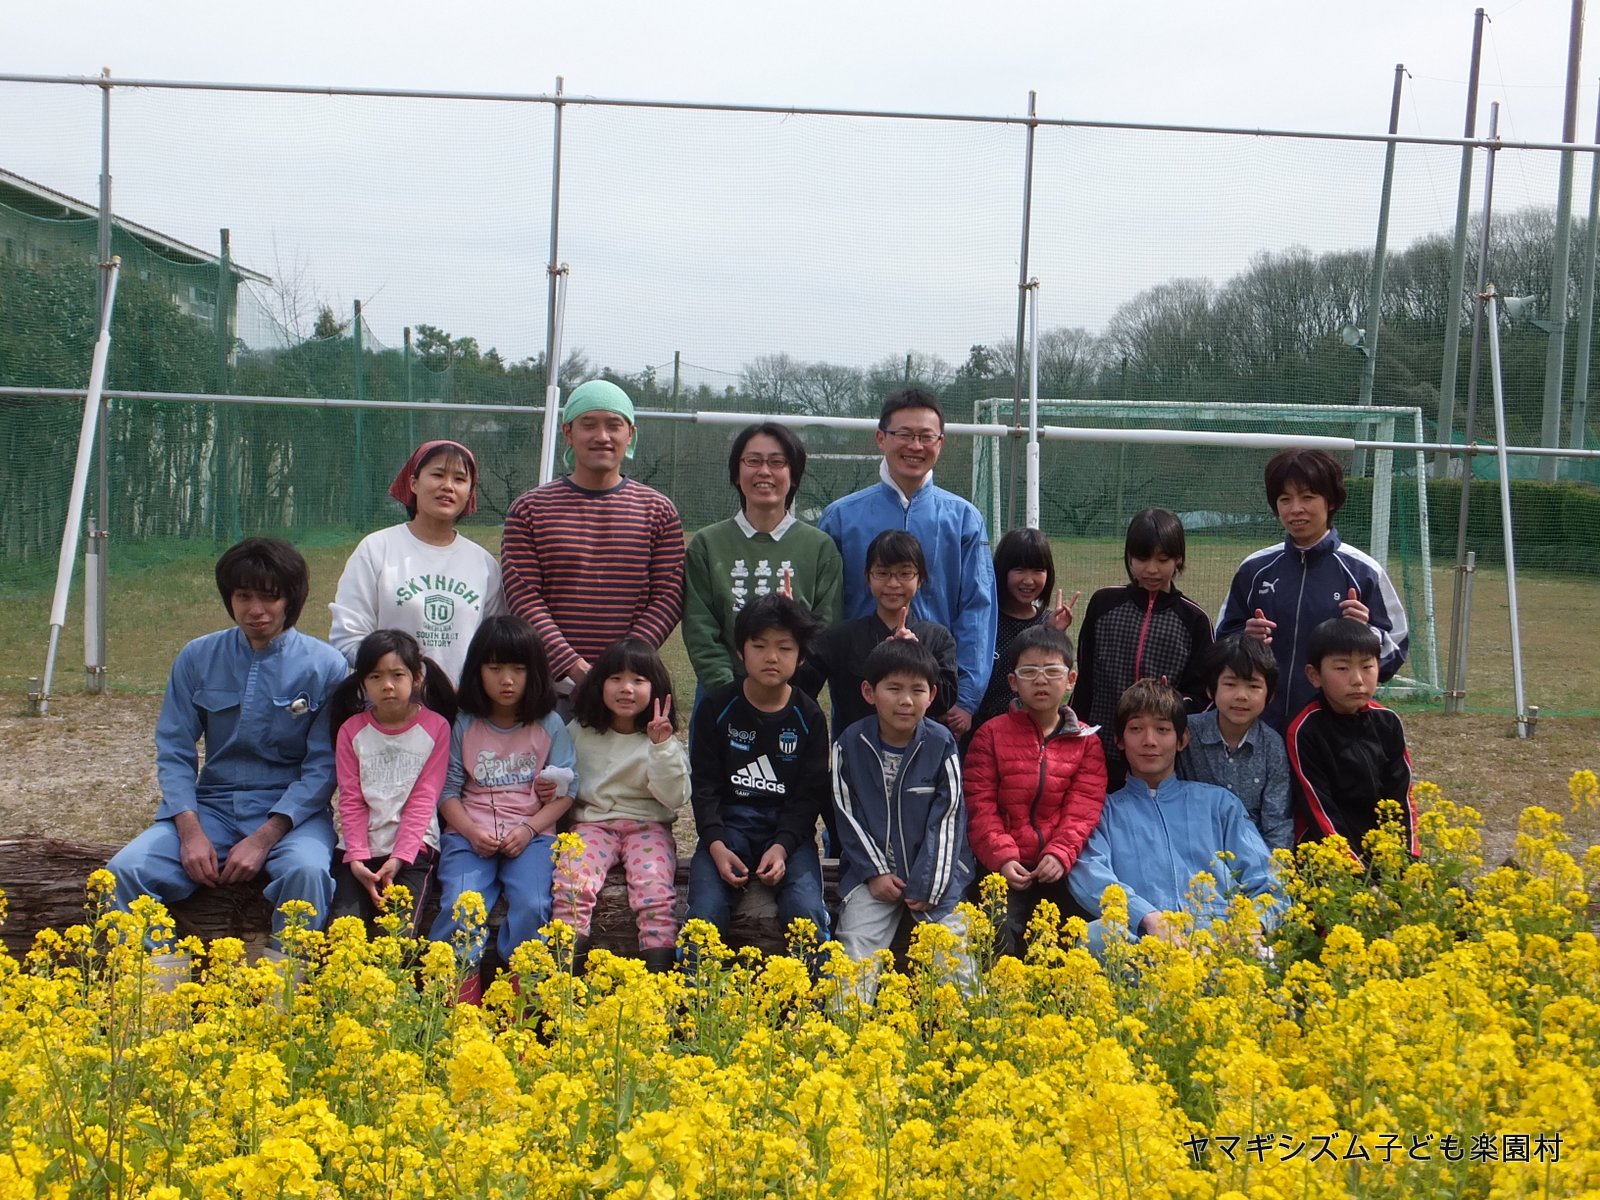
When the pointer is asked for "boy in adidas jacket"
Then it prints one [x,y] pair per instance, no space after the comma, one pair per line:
[903,850]
[758,761]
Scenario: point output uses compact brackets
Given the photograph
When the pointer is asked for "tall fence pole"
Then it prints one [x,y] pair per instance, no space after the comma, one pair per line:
[96,572]
[360,475]
[555,289]
[1458,257]
[1022,309]
[1556,314]
[224,489]
[80,485]
[405,362]
[1524,729]
[1580,374]
[1380,254]
[1033,404]
[1455,693]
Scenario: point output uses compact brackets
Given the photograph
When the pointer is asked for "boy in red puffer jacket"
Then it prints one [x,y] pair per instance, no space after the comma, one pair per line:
[1035,783]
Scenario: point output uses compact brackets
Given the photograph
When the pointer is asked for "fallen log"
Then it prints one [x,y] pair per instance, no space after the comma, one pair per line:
[43,880]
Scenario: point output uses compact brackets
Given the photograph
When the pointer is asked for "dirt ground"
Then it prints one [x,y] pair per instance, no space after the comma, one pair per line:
[87,771]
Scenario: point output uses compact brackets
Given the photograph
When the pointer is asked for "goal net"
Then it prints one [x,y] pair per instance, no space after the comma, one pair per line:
[1089,489]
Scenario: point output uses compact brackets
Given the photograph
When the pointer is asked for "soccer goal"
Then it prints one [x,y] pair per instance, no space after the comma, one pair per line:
[1102,461]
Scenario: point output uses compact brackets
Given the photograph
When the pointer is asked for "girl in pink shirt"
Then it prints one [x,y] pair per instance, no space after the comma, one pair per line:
[391,721]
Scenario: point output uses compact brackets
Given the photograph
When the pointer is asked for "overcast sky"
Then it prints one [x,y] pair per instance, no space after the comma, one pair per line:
[727,237]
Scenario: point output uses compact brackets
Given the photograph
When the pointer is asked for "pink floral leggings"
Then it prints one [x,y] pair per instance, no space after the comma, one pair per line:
[648,855]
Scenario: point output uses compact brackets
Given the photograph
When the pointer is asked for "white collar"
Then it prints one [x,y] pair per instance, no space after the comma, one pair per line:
[750,530]
[883,474]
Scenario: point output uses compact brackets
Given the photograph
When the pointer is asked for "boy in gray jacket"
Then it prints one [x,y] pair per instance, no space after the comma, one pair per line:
[903,850]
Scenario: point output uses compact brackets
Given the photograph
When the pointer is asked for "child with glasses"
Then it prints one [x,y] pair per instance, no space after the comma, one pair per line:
[895,570]
[1035,782]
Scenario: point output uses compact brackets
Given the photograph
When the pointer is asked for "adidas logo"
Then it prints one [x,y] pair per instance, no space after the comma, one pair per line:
[758,776]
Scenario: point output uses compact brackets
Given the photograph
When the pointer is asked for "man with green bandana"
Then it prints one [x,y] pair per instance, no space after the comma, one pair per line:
[593,556]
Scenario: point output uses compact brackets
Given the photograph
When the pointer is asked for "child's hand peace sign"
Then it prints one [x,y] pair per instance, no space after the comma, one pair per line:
[786,588]
[660,727]
[1061,616]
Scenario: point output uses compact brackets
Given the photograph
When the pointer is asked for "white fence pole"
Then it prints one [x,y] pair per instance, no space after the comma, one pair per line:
[80,484]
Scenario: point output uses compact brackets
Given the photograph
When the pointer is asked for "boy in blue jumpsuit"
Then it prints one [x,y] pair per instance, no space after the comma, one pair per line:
[256,695]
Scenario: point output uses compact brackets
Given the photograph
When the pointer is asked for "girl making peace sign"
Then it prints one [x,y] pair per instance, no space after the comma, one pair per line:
[633,778]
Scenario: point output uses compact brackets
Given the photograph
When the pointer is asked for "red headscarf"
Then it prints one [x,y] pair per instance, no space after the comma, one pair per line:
[402,490]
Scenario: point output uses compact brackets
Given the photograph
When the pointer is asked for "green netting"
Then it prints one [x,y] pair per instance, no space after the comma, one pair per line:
[770,263]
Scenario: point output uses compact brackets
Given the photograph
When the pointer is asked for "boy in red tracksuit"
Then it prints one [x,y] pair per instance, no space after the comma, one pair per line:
[1035,782]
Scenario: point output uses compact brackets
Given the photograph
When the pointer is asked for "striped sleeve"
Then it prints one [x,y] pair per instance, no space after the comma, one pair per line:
[1311,771]
[852,829]
[934,871]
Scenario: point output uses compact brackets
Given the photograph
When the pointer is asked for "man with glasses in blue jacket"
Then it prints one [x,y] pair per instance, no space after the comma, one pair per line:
[959,590]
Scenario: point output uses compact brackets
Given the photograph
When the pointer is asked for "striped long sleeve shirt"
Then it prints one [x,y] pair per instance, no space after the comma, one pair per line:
[587,568]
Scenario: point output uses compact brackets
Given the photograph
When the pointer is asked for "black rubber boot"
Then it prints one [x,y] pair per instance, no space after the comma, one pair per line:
[580,954]
[660,960]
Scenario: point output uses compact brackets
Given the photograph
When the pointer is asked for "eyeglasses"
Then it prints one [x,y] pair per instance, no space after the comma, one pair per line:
[899,575]
[772,462]
[916,437]
[1053,674]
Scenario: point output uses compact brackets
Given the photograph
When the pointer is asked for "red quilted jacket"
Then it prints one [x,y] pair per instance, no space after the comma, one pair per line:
[1029,796]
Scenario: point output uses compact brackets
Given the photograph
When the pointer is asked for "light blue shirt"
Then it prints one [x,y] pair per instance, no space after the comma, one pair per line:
[1152,843]
[1257,772]
[263,716]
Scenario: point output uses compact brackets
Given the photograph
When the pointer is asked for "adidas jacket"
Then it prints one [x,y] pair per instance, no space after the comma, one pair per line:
[919,832]
[775,764]
[1300,589]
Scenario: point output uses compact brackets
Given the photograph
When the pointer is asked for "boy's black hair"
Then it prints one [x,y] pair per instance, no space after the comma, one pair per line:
[1150,530]
[440,451]
[1039,637]
[774,611]
[1342,635]
[909,397]
[630,654]
[894,547]
[1026,549]
[507,639]
[793,449]
[267,565]
[434,691]
[1246,656]
[1315,470]
[900,656]
[1151,698]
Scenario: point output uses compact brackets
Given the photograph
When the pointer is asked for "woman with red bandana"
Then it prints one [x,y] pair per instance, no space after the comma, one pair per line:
[423,576]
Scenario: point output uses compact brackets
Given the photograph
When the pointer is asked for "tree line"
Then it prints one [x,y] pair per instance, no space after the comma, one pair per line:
[1271,333]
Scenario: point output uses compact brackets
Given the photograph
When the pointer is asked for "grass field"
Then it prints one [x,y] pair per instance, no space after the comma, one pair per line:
[88,771]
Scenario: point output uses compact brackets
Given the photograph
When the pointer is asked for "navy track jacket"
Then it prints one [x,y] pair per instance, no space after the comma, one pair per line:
[1300,589]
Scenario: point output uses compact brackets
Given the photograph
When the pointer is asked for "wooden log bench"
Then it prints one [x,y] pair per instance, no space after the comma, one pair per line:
[43,879]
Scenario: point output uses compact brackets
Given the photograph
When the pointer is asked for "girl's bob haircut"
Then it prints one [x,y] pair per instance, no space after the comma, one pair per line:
[633,655]
[507,639]
[896,548]
[1026,550]
[1153,529]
